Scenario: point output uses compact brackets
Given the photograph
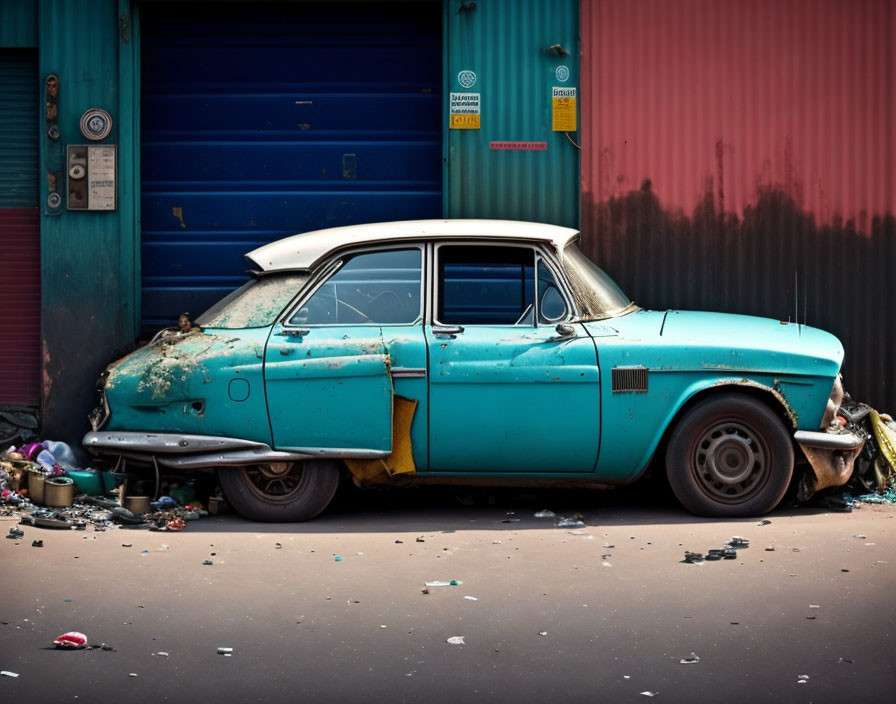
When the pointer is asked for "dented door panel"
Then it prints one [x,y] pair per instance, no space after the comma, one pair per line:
[329,390]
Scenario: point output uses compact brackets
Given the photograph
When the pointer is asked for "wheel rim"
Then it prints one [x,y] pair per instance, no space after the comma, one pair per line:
[276,481]
[731,462]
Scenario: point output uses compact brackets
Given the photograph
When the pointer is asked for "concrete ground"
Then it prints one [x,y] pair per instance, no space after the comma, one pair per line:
[602,613]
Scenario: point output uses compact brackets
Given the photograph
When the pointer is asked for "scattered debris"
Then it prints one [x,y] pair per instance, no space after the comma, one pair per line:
[337,558]
[764,522]
[692,557]
[545,514]
[7,673]
[802,679]
[207,562]
[441,583]
[456,640]
[649,694]
[161,654]
[574,521]
[37,543]
[420,539]
[226,652]
[690,659]
[471,598]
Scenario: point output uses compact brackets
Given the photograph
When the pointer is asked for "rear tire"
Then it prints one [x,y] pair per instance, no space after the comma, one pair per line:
[280,491]
[730,456]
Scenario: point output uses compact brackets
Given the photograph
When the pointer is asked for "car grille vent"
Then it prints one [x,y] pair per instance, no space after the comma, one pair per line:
[630,379]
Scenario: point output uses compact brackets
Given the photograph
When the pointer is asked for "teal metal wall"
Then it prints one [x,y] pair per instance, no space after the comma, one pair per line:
[18,24]
[87,258]
[507,44]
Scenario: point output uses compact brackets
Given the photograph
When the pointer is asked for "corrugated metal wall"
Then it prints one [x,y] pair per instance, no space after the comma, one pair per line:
[18,23]
[19,229]
[505,43]
[731,147]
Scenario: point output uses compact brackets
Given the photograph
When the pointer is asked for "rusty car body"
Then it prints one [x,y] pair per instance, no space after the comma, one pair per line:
[462,350]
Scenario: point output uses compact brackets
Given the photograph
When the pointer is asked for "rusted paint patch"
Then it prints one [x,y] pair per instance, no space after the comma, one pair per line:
[171,363]
[773,390]
[45,372]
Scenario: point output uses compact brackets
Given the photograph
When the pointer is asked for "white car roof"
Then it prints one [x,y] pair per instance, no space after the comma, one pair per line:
[304,250]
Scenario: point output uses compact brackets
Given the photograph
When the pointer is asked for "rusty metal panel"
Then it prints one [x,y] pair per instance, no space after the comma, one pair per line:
[514,165]
[739,156]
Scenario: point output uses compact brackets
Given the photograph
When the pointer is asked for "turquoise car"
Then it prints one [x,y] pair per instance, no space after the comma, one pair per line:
[465,351]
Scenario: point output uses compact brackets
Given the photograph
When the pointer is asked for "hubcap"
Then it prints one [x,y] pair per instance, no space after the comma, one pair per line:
[277,481]
[730,462]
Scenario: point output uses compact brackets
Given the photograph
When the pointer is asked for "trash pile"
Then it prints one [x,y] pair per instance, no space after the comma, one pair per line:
[46,485]
[874,477]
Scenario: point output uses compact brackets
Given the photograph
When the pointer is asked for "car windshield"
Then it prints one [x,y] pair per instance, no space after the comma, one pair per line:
[597,294]
[256,303]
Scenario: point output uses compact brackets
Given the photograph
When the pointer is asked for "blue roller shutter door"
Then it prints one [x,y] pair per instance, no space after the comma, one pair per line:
[259,121]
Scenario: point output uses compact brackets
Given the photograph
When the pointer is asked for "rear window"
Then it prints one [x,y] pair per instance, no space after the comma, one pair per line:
[256,304]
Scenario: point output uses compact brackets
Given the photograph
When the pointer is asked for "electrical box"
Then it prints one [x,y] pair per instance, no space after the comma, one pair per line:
[92,183]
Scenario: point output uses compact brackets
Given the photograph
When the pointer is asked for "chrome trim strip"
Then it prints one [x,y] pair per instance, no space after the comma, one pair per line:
[339,452]
[408,372]
[222,459]
[165,442]
[828,441]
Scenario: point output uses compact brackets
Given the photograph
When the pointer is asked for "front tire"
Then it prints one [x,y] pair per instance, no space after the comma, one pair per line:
[730,456]
[280,491]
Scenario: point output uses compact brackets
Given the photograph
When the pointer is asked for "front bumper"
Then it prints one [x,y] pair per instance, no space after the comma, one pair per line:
[832,454]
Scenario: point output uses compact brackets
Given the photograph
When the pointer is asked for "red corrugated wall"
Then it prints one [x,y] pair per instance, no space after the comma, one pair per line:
[738,155]
[19,305]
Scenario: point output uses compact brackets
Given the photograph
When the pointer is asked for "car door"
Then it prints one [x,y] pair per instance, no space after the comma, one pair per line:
[513,382]
[328,368]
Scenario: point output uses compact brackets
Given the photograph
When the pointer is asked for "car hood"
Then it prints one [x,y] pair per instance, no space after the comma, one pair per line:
[748,343]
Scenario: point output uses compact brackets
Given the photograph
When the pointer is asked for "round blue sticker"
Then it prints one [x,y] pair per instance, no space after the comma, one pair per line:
[466,78]
[562,73]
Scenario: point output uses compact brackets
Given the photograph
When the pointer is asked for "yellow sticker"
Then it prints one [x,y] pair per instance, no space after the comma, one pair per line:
[463,111]
[563,109]
[464,122]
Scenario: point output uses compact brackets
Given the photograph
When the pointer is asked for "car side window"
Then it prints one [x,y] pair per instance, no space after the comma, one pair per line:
[374,288]
[486,285]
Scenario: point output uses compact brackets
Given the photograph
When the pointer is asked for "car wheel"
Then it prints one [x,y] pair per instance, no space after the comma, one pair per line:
[280,491]
[730,456]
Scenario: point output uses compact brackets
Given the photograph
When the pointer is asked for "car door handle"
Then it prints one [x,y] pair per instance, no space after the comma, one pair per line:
[451,331]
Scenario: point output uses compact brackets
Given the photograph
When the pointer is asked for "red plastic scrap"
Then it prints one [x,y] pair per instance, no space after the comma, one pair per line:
[71,640]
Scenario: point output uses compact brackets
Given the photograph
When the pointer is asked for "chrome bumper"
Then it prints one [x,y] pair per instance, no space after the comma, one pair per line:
[828,441]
